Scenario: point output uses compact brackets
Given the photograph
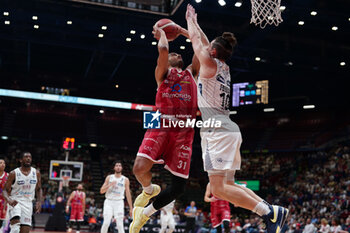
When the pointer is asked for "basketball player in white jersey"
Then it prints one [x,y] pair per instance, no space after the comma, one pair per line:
[22,185]
[115,187]
[167,218]
[220,146]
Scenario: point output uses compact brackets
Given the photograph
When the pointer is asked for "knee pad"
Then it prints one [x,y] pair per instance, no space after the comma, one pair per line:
[177,186]
[15,228]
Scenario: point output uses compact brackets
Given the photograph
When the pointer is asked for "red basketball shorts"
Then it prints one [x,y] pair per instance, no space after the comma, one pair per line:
[170,147]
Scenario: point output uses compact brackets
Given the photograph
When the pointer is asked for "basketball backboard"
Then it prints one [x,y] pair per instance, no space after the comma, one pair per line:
[60,168]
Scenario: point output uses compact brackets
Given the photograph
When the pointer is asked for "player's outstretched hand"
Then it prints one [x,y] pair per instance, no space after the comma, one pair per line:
[12,203]
[190,12]
[157,32]
[37,207]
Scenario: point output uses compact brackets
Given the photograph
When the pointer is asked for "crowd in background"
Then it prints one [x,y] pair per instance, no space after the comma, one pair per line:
[315,186]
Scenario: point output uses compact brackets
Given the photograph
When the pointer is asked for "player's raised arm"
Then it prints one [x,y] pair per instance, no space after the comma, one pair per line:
[201,50]
[11,178]
[105,186]
[38,193]
[128,195]
[204,38]
[163,50]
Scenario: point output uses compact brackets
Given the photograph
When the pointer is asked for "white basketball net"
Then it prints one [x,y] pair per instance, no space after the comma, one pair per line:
[266,12]
[65,181]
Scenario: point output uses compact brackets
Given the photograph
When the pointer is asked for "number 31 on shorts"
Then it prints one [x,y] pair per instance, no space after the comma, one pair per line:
[182,165]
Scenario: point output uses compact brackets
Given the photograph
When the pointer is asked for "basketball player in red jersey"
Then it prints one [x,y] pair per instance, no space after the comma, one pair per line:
[176,99]
[220,211]
[77,202]
[3,179]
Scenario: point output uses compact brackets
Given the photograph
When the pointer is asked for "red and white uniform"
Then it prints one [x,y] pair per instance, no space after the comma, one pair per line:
[3,207]
[76,213]
[176,99]
[219,211]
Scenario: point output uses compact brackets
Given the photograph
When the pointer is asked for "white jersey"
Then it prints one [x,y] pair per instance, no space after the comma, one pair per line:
[169,207]
[23,189]
[214,93]
[117,191]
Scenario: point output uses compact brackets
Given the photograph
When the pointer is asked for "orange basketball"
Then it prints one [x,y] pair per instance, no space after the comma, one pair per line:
[169,27]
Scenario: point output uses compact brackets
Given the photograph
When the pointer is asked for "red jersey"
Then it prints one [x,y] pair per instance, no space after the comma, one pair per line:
[77,198]
[3,180]
[3,207]
[177,95]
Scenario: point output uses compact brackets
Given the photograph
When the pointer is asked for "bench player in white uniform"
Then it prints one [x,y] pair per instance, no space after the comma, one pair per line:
[115,186]
[221,146]
[167,218]
[23,184]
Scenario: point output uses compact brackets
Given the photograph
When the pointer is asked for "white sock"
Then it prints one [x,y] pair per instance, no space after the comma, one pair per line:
[15,228]
[261,209]
[148,189]
[149,210]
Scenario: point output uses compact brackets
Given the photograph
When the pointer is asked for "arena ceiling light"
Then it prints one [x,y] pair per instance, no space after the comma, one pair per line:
[342,63]
[35,17]
[238,4]
[69,22]
[188,40]
[100,35]
[290,63]
[6,13]
[128,39]
[269,109]
[7,22]
[36,26]
[101,111]
[334,28]
[233,112]
[310,106]
[104,27]
[282,8]
[132,31]
[4,137]
[257,59]
[222,2]
[313,13]
[142,36]
[116,86]
[93,145]
[154,43]
[182,47]
[198,1]
[301,23]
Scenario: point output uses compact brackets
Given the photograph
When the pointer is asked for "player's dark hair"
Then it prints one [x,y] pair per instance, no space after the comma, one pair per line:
[224,45]
[117,161]
[23,153]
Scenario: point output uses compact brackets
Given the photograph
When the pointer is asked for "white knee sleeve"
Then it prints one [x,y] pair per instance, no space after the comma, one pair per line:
[106,223]
[15,228]
[163,228]
[120,225]
[171,228]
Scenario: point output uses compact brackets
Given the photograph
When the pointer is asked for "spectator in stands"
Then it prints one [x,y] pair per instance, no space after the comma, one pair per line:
[335,228]
[325,228]
[309,227]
